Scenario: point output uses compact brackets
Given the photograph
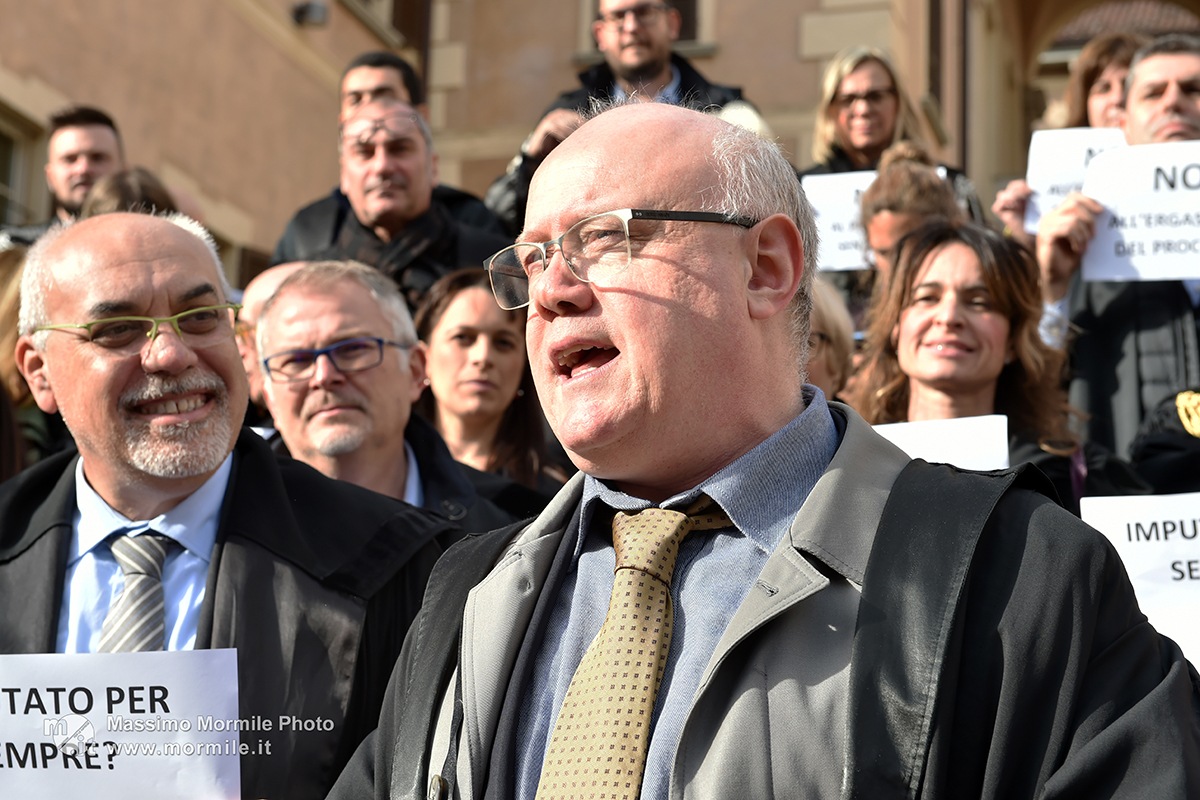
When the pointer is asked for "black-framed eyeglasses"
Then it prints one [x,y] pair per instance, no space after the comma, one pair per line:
[352,355]
[873,98]
[196,327]
[644,13]
[595,249]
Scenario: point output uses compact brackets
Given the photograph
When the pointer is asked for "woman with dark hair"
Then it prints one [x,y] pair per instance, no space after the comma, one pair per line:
[481,396]
[1095,97]
[956,335]
[1095,91]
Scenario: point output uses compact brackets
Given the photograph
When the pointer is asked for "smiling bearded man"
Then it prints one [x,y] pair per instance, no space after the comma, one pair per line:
[127,329]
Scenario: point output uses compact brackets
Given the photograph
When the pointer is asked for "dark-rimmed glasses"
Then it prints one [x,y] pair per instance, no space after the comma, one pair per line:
[644,13]
[595,249]
[352,355]
[873,98]
[196,327]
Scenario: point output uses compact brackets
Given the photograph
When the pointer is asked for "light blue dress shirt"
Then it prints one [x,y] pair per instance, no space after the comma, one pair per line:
[761,492]
[94,580]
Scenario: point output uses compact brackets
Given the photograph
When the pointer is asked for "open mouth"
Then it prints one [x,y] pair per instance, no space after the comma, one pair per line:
[581,359]
[179,405]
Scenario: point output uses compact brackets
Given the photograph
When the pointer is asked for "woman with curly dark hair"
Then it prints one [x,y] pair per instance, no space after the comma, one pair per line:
[481,396]
[956,335]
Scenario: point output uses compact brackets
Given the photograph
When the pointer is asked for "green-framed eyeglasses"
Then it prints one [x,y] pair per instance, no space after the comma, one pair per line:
[196,327]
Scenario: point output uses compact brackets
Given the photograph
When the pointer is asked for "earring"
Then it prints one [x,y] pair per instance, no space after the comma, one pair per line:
[425,381]
[520,392]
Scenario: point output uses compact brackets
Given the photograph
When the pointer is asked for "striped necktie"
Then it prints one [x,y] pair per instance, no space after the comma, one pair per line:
[598,748]
[137,619]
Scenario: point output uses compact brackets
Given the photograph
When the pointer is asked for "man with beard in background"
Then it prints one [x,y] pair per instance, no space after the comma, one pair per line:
[84,147]
[173,529]
[635,38]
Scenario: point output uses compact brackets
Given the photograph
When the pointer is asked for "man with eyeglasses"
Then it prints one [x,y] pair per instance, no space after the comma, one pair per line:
[373,78]
[635,37]
[387,215]
[342,368]
[747,592]
[127,330]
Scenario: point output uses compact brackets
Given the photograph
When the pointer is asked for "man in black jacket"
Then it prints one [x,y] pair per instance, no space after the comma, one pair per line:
[84,146]
[635,38]
[847,622]
[385,214]
[127,329]
[341,369]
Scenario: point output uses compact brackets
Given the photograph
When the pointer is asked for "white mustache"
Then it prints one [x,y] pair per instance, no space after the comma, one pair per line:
[154,387]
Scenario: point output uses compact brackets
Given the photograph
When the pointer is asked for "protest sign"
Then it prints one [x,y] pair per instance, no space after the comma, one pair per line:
[121,725]
[1158,538]
[966,442]
[837,201]
[1150,228]
[1058,161]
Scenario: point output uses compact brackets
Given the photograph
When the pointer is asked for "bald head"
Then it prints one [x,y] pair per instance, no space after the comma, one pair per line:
[256,293]
[136,352]
[687,318]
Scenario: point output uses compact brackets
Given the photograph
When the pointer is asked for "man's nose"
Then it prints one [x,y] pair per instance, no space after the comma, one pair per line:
[1172,95]
[325,371]
[556,290]
[167,352]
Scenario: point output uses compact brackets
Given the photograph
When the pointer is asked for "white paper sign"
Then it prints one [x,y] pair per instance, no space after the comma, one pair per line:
[967,442]
[121,725]
[837,200]
[1158,538]
[1058,161]
[1150,229]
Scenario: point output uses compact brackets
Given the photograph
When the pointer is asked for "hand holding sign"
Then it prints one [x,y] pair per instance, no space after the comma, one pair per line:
[1058,163]
[1150,229]
[1063,237]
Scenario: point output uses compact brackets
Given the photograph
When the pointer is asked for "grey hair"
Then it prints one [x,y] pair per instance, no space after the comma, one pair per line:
[394,109]
[1168,44]
[35,280]
[325,274]
[755,180]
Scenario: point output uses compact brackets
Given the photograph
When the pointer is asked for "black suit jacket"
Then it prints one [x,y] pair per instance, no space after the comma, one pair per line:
[313,581]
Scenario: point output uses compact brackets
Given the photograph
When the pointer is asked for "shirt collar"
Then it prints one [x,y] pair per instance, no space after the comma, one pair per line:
[669,93]
[761,491]
[192,523]
[414,493]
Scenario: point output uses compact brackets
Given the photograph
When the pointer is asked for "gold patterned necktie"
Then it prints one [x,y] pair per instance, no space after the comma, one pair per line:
[136,621]
[598,748]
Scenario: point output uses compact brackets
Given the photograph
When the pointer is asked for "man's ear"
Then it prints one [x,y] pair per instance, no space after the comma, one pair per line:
[674,23]
[434,178]
[33,367]
[776,265]
[416,369]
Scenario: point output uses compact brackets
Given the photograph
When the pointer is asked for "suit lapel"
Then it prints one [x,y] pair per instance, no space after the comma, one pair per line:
[40,552]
